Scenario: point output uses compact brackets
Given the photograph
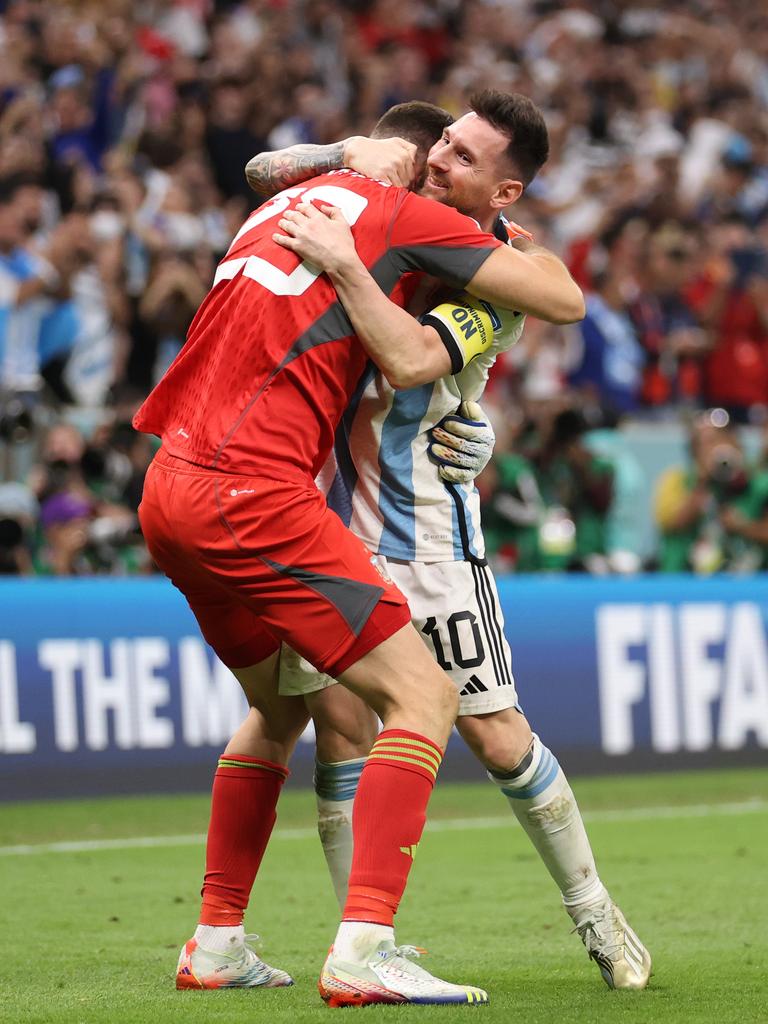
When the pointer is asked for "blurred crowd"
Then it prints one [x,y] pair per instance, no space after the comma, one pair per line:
[124,130]
[563,494]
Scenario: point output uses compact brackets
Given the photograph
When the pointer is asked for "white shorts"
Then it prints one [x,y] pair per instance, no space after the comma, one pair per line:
[455,606]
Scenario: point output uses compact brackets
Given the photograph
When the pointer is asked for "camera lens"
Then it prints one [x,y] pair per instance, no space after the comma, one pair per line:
[11,533]
[725,464]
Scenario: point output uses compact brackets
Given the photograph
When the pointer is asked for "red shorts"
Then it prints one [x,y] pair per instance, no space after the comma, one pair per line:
[263,561]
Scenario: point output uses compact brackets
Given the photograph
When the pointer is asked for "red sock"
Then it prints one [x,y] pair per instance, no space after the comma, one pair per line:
[387,821]
[245,792]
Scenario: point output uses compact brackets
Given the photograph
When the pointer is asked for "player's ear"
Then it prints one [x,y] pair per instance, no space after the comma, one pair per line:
[508,191]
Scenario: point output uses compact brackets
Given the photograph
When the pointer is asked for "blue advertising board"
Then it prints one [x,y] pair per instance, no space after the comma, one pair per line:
[107,686]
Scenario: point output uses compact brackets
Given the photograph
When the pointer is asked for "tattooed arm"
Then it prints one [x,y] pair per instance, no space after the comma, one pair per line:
[392,160]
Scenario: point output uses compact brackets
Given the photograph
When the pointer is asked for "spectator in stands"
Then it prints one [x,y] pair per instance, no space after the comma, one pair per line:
[121,125]
[713,513]
[607,367]
[739,190]
[512,505]
[89,492]
[18,516]
[31,284]
[730,298]
[578,489]
[64,519]
[674,343]
[550,498]
[59,469]
[230,138]
[174,291]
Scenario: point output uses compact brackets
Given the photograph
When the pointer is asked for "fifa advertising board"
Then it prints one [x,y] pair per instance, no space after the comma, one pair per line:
[106,686]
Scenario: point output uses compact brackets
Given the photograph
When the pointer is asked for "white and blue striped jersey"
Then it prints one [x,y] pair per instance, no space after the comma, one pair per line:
[20,325]
[381,481]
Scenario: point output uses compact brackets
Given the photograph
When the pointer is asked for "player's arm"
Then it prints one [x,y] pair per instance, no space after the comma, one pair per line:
[442,242]
[392,160]
[531,279]
[406,351]
[534,281]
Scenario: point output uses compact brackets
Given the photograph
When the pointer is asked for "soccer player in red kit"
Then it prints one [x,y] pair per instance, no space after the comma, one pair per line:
[247,414]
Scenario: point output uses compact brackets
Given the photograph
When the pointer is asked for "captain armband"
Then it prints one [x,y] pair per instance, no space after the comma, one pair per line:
[466,326]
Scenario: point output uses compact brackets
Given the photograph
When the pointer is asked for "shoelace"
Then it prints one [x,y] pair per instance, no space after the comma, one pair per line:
[251,959]
[409,951]
[253,942]
[402,958]
[594,937]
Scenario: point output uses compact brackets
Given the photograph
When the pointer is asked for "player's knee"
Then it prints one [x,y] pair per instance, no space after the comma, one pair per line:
[282,721]
[497,758]
[427,695]
[442,696]
[499,740]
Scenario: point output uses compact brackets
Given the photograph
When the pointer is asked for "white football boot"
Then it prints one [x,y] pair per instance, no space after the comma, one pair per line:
[623,960]
[389,976]
[240,968]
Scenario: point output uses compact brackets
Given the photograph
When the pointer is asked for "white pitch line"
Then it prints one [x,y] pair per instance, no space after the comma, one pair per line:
[446,825]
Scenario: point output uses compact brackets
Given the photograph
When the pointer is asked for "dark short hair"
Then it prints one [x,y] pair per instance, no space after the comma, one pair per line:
[13,183]
[417,122]
[522,122]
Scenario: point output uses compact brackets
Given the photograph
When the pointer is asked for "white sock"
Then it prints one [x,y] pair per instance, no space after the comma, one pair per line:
[335,786]
[356,940]
[219,940]
[334,824]
[544,804]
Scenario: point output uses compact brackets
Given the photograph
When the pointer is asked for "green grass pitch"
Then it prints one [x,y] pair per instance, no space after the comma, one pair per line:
[91,935]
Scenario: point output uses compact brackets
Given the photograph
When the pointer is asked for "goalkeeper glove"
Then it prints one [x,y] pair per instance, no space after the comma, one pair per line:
[462,444]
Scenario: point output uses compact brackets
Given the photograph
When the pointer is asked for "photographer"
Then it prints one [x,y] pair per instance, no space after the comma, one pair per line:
[88,493]
[578,488]
[512,507]
[713,515]
[551,499]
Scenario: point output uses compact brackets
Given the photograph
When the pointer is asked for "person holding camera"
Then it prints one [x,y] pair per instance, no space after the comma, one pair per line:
[713,515]
[549,499]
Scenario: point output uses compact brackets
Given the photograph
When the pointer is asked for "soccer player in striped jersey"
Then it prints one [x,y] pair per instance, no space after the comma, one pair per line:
[426,530]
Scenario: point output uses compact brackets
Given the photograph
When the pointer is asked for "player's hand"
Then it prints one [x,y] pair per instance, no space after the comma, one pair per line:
[319,236]
[462,444]
[392,160]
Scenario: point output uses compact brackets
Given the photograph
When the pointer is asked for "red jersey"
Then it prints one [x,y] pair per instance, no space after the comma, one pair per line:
[736,370]
[271,359]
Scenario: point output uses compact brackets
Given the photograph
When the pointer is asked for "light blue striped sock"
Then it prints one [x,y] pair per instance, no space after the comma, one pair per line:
[335,787]
[544,804]
[337,782]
